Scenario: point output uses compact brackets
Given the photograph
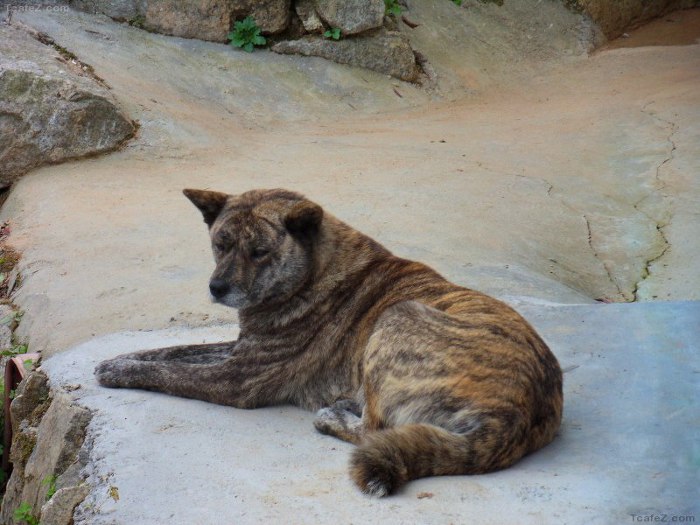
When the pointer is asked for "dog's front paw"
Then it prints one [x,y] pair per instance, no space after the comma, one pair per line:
[114,373]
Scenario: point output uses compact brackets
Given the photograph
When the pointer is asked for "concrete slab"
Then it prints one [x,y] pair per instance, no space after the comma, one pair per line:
[629,444]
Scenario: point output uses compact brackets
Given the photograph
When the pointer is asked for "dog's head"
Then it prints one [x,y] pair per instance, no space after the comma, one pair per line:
[262,242]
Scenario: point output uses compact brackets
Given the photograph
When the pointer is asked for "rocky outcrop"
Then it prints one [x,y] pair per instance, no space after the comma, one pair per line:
[359,21]
[202,19]
[51,109]
[48,434]
[212,19]
[614,17]
[351,16]
[388,52]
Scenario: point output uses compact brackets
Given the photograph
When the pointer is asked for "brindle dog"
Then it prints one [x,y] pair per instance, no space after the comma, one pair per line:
[426,377]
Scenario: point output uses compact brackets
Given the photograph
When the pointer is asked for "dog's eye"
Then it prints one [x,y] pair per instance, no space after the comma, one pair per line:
[220,246]
[259,253]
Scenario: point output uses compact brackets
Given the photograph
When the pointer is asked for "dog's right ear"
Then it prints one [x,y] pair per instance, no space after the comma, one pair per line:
[210,203]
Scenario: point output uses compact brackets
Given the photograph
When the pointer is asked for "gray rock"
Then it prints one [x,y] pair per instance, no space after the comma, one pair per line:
[385,52]
[44,448]
[272,16]
[50,108]
[31,394]
[351,16]
[306,11]
[202,19]
[212,19]
[59,509]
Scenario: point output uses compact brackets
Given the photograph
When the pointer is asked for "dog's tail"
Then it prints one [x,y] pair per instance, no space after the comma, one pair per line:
[389,458]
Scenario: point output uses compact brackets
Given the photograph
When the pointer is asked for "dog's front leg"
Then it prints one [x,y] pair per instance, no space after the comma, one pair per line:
[237,380]
[200,354]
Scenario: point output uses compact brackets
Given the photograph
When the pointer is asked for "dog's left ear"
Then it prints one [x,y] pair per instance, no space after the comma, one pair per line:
[304,218]
[210,203]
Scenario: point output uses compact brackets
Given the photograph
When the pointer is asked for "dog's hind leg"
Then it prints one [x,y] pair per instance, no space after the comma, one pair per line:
[341,420]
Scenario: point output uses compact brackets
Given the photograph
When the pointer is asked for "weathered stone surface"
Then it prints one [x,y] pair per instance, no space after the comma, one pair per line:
[351,16]
[308,15]
[615,17]
[48,111]
[272,16]
[31,394]
[203,19]
[41,449]
[385,52]
[59,509]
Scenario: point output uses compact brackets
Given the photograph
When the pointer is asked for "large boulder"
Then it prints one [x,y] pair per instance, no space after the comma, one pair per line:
[272,16]
[202,19]
[351,16]
[51,109]
[387,52]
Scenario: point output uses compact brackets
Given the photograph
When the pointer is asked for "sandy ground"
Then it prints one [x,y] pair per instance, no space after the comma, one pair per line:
[575,183]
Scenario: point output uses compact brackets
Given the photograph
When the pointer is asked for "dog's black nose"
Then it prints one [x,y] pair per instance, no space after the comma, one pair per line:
[218,288]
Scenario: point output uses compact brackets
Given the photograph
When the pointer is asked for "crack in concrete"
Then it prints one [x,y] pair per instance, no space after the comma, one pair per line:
[625,296]
[605,265]
[659,187]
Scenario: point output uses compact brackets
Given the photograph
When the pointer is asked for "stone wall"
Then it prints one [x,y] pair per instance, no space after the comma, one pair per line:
[48,434]
[294,26]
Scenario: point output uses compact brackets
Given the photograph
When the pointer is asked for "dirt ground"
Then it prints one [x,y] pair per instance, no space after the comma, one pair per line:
[570,183]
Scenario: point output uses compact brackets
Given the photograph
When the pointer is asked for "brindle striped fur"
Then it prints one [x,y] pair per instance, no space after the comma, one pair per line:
[426,377]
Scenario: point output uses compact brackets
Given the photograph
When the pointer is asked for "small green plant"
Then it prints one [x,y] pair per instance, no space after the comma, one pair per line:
[334,33]
[50,482]
[14,351]
[246,34]
[24,513]
[457,2]
[392,7]
[139,21]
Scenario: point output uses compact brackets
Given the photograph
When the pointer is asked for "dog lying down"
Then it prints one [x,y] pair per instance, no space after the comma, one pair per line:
[427,378]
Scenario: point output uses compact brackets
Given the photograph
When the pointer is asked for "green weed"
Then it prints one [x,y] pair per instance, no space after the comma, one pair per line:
[24,513]
[50,482]
[334,33]
[392,7]
[246,34]
[15,350]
